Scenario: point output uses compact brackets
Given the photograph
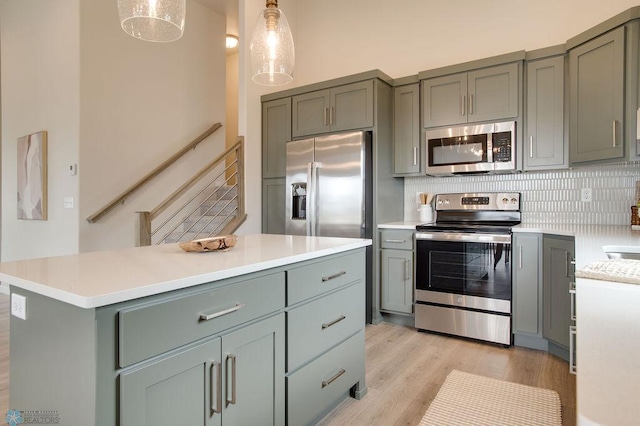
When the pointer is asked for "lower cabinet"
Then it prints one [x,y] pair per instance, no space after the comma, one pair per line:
[233,379]
[542,273]
[273,206]
[396,271]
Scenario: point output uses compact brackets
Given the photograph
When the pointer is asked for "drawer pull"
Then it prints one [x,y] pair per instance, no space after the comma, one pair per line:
[326,383]
[231,400]
[205,317]
[334,322]
[216,387]
[331,277]
[395,241]
[572,350]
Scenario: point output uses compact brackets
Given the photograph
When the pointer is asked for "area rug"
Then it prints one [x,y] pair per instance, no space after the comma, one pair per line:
[469,399]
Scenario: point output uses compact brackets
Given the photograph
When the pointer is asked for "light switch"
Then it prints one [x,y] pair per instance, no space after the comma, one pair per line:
[68,202]
[73,169]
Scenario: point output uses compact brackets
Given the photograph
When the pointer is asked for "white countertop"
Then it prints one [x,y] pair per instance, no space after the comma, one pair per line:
[90,280]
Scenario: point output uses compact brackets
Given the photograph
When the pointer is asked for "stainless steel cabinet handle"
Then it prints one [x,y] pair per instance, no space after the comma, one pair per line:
[520,258]
[331,277]
[232,359]
[407,270]
[207,317]
[334,322]
[572,349]
[471,104]
[216,387]
[324,120]
[331,116]
[395,241]
[415,155]
[326,383]
[614,133]
[572,293]
[464,105]
[531,146]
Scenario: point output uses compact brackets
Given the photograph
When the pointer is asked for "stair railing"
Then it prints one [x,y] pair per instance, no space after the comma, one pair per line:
[155,172]
[223,192]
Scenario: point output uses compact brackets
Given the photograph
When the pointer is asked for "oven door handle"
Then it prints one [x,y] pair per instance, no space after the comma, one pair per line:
[463,237]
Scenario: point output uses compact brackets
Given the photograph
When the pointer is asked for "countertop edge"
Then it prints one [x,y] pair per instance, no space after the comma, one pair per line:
[92,302]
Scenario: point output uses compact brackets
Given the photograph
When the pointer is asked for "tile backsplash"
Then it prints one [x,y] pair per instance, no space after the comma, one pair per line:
[547,197]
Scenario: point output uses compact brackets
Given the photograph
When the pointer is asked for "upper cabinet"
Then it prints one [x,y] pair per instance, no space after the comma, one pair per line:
[597,97]
[544,141]
[340,108]
[485,94]
[276,131]
[406,129]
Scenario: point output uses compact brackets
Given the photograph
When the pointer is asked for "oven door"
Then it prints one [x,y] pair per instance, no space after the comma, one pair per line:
[464,270]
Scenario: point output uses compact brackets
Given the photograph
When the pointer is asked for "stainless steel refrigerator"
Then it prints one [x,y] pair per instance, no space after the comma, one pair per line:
[329,190]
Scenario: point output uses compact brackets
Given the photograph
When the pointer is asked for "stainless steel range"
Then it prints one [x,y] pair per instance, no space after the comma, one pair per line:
[463,266]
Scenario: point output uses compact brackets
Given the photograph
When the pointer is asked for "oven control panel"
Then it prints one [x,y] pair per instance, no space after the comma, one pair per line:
[479,201]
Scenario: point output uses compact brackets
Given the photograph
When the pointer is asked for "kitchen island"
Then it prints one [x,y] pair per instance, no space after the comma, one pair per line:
[155,335]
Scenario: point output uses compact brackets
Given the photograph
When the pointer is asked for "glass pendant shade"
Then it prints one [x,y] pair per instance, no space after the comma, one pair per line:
[153,20]
[272,51]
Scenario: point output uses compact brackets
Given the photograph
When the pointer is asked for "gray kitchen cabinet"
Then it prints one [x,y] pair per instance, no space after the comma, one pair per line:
[273,206]
[545,146]
[406,129]
[396,271]
[597,98]
[527,285]
[233,379]
[558,273]
[337,109]
[276,131]
[325,335]
[481,95]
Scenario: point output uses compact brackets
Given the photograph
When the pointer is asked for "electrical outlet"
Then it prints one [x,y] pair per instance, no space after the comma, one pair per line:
[19,306]
[586,196]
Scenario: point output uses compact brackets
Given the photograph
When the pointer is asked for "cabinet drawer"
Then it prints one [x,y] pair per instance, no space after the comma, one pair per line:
[148,330]
[316,387]
[324,323]
[396,239]
[319,277]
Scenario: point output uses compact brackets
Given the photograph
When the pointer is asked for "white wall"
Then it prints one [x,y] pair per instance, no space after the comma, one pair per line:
[334,38]
[40,91]
[140,103]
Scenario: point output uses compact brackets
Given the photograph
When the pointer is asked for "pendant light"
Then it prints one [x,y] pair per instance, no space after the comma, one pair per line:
[272,51]
[153,20]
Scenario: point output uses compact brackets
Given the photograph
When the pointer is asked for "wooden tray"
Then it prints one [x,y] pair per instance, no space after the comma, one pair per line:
[220,243]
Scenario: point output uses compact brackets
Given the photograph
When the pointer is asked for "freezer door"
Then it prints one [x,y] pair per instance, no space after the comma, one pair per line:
[339,169]
[299,159]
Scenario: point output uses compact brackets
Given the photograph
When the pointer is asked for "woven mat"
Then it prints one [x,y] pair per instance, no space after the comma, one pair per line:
[618,270]
[468,399]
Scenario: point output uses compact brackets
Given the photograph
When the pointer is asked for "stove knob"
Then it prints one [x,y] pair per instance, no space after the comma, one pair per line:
[514,201]
[439,202]
[505,201]
[446,201]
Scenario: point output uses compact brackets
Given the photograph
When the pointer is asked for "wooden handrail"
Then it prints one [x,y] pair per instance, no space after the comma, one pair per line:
[188,184]
[155,172]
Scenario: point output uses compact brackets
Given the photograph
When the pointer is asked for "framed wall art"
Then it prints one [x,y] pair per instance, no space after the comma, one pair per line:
[32,176]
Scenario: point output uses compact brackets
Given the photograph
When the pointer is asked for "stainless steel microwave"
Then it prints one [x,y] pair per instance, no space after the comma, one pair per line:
[480,148]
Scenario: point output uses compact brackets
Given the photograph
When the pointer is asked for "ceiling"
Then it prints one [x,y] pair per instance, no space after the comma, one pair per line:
[229,8]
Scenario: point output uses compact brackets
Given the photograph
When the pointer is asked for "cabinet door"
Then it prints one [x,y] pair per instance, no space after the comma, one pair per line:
[176,390]
[545,146]
[351,106]
[406,129]
[310,113]
[273,206]
[493,93]
[254,374]
[396,280]
[596,74]
[276,132]
[444,100]
[558,274]
[527,287]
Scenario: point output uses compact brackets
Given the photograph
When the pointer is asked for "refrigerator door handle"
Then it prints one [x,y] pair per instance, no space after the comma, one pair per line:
[310,200]
[315,166]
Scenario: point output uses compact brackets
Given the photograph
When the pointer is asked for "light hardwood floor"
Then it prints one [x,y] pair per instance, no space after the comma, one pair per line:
[405,369]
